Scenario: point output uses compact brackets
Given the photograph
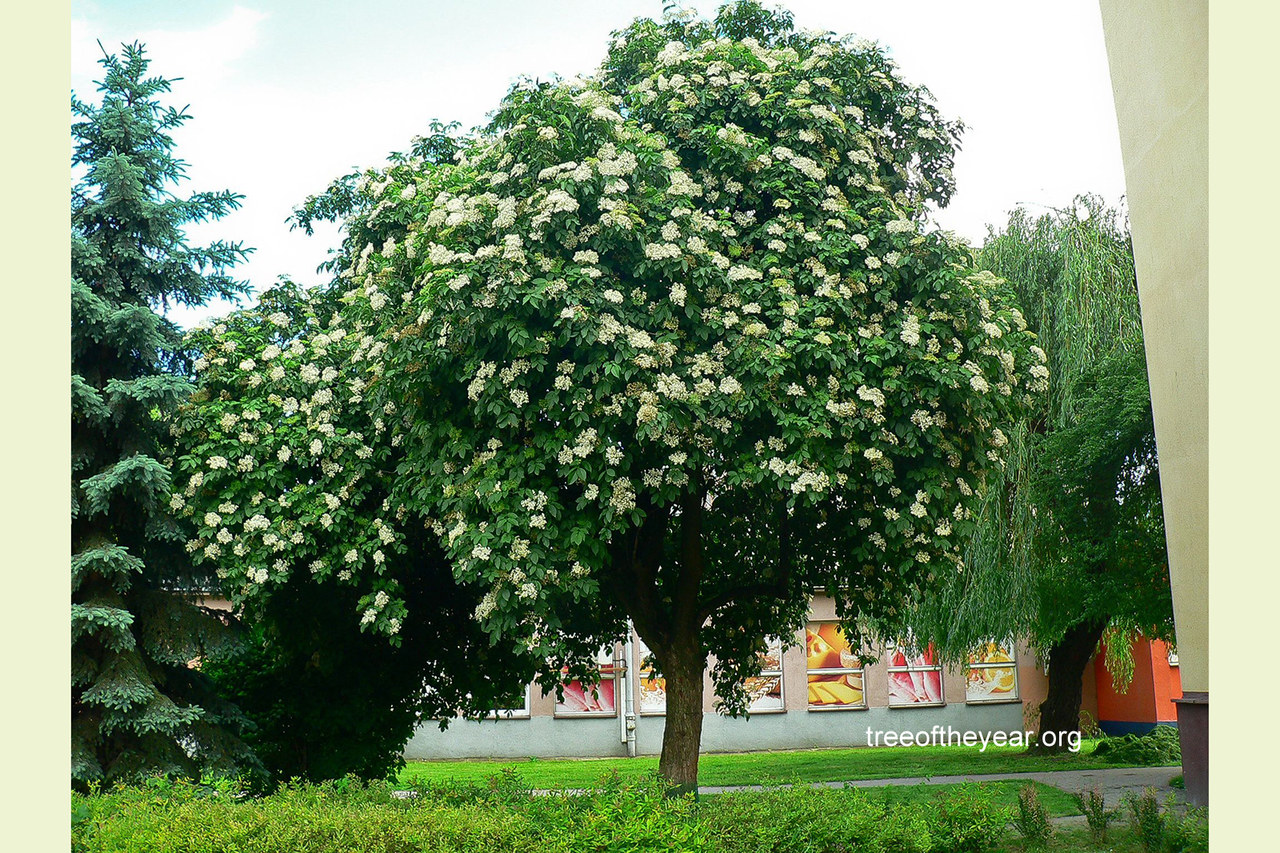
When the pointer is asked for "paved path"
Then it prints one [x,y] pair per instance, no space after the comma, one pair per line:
[1114,781]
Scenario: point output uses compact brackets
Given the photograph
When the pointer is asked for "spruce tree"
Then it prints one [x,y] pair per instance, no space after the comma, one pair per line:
[139,703]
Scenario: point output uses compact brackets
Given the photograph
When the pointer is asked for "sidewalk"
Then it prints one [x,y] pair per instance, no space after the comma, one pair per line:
[1114,781]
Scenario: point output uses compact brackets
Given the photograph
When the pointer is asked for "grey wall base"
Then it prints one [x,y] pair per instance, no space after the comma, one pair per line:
[548,737]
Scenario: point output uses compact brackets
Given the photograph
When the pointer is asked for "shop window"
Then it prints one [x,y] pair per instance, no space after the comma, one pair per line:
[520,713]
[591,700]
[992,673]
[915,676]
[653,687]
[764,692]
[835,673]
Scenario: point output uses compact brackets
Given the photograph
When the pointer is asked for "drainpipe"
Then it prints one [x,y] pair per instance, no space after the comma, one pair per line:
[627,708]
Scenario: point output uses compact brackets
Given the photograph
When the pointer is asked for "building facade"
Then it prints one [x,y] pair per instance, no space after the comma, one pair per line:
[813,693]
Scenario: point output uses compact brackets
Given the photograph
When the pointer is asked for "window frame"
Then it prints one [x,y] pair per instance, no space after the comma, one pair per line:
[774,672]
[908,645]
[647,673]
[1016,695]
[524,713]
[609,670]
[860,671]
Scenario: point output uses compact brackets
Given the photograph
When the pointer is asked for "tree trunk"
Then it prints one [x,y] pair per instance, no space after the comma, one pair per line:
[682,739]
[1060,711]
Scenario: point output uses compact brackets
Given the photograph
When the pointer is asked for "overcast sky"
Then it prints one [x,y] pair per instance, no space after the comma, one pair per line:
[286,95]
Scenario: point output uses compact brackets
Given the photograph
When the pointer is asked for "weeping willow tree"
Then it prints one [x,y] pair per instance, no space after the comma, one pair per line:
[1071,543]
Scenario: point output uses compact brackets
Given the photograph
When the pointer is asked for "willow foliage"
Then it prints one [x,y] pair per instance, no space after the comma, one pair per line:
[1072,528]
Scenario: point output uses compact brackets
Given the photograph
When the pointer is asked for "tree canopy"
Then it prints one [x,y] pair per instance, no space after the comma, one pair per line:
[673,343]
[136,705]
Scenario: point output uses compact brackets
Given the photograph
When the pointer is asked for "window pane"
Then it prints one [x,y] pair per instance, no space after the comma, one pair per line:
[653,694]
[521,712]
[579,699]
[827,648]
[765,692]
[992,684]
[993,652]
[594,699]
[835,690]
[653,688]
[915,678]
[987,679]
[771,660]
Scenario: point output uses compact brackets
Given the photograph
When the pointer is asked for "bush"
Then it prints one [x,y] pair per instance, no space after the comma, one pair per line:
[967,820]
[1157,748]
[1146,819]
[820,819]
[1188,833]
[1032,819]
[503,814]
[802,818]
[1093,806]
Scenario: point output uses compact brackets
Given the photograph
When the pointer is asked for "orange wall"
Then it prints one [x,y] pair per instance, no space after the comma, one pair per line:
[1150,696]
[1168,682]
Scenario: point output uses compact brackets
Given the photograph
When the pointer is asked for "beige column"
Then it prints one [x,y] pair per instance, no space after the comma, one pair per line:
[1158,53]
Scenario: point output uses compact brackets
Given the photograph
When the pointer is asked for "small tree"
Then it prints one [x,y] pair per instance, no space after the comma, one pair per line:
[137,706]
[1072,535]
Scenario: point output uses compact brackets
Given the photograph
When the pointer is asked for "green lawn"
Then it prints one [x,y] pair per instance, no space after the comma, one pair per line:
[1055,800]
[1075,839]
[826,765]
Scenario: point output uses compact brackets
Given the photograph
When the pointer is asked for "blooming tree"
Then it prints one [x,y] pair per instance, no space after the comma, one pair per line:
[673,344]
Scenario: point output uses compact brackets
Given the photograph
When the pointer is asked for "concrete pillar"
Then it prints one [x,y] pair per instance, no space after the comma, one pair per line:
[1158,53]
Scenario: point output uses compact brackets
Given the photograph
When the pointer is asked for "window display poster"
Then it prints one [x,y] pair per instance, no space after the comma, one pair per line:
[834,673]
[580,700]
[915,677]
[992,674]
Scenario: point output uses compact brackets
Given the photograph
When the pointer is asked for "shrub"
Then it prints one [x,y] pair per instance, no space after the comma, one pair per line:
[502,814]
[1188,833]
[1032,819]
[803,818]
[967,820]
[1147,821]
[1093,806]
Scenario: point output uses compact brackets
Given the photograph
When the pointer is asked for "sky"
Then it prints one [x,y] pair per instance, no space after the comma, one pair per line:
[286,95]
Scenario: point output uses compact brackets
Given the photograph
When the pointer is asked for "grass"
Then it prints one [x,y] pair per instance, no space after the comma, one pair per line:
[1057,802]
[756,768]
[1072,839]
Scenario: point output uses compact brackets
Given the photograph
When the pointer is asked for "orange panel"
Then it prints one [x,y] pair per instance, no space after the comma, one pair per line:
[1138,703]
[1167,681]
